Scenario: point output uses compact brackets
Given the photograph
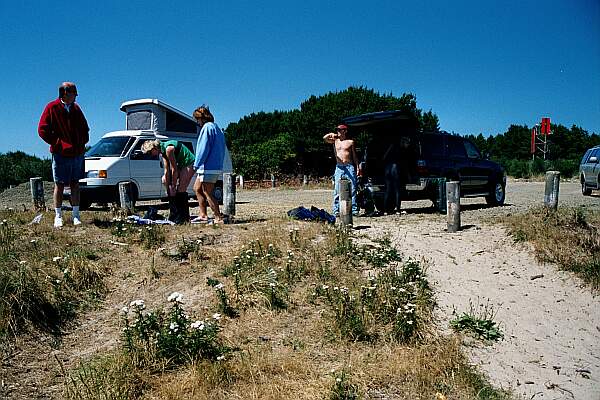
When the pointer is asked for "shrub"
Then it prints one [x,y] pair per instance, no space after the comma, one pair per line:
[171,337]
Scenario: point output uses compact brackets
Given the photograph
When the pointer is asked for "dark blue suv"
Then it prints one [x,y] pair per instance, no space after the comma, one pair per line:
[422,159]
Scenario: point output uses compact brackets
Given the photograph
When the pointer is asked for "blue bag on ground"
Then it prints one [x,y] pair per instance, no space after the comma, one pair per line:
[314,214]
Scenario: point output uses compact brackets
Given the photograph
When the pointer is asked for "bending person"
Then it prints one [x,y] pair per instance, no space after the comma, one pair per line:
[210,151]
[177,161]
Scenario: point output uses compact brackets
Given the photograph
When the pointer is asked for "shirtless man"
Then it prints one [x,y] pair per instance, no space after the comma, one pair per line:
[347,165]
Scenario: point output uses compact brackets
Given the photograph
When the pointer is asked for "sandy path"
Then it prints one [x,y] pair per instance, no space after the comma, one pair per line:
[551,324]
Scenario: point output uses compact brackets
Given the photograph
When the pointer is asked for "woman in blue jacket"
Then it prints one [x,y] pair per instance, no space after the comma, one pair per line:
[210,151]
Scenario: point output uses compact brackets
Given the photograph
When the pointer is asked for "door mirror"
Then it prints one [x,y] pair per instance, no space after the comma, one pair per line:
[593,159]
[137,155]
[486,155]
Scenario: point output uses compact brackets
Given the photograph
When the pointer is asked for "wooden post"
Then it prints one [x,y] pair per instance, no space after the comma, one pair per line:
[551,192]
[272,181]
[125,197]
[229,194]
[37,193]
[305,180]
[442,198]
[241,182]
[345,191]
[453,196]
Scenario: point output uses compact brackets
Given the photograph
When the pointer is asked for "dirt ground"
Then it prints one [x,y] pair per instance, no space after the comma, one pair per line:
[551,324]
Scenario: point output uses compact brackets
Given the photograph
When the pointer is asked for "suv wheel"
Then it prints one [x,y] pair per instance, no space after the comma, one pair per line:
[585,190]
[496,198]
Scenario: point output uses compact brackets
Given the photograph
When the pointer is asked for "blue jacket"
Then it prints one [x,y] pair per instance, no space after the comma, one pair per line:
[210,149]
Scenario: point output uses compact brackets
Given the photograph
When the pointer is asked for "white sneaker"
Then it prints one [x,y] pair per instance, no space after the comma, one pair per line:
[58,222]
[76,221]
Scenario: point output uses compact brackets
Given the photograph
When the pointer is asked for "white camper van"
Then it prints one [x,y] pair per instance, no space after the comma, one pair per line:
[117,157]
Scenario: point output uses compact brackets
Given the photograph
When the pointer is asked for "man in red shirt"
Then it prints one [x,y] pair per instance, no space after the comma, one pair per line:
[64,127]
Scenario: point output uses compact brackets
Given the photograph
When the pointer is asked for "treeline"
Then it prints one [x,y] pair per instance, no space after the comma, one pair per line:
[291,142]
[18,167]
[512,150]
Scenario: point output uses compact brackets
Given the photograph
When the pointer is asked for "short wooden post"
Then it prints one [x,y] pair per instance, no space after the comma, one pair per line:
[229,193]
[442,198]
[125,197]
[551,192]
[345,191]
[241,181]
[37,193]
[453,205]
[305,180]
[272,181]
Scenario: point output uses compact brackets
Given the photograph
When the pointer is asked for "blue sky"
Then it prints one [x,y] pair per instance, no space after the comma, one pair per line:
[480,66]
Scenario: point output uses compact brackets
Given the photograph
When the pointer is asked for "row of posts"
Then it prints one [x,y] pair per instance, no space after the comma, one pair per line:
[449,199]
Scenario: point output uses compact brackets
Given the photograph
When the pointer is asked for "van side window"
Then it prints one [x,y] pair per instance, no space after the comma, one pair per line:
[188,145]
[472,151]
[456,148]
[138,148]
[177,123]
[139,120]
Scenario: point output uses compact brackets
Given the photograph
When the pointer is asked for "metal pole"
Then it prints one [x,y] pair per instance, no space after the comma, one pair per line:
[272,181]
[345,202]
[125,198]
[551,190]
[241,182]
[442,195]
[229,194]
[37,193]
[305,180]
[453,213]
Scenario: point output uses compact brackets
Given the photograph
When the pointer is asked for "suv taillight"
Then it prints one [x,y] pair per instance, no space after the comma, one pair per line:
[421,167]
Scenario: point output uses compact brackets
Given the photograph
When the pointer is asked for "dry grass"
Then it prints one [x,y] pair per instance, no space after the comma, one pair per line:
[281,352]
[569,237]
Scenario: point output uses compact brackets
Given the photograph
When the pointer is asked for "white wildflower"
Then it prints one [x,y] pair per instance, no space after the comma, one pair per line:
[32,241]
[216,316]
[197,325]
[137,304]
[410,322]
[124,310]
[175,297]
[219,358]
[220,286]
[173,327]
[56,259]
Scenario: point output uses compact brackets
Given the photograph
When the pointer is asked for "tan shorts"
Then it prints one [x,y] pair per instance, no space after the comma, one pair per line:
[208,178]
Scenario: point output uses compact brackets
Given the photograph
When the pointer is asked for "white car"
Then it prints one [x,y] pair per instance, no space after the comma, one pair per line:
[589,171]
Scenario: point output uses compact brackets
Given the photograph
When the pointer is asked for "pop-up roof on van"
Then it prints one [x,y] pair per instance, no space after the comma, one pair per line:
[154,115]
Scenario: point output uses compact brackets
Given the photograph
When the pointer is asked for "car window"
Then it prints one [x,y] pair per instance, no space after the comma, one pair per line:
[456,147]
[595,153]
[472,151]
[188,145]
[586,156]
[138,146]
[108,147]
[432,146]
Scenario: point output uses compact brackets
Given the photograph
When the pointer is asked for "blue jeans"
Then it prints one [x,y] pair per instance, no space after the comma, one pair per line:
[344,171]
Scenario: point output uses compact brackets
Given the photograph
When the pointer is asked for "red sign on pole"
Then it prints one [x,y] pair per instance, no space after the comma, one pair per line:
[533,140]
[546,126]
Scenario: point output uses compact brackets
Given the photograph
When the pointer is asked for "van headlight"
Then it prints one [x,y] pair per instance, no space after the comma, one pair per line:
[96,174]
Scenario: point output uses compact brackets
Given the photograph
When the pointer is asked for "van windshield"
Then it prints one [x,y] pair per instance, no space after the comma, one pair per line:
[108,147]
